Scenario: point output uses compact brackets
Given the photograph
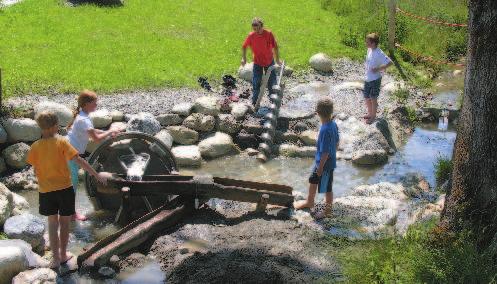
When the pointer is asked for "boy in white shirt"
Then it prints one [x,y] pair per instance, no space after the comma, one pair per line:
[376,63]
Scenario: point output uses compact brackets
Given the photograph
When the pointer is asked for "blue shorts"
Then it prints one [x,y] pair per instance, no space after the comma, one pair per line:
[372,89]
[324,182]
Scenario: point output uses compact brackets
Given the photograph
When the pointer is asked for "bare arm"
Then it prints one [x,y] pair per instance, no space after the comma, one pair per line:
[324,158]
[276,52]
[244,56]
[98,135]
[382,67]
[85,166]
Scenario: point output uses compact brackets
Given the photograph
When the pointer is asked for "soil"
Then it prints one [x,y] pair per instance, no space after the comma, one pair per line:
[232,245]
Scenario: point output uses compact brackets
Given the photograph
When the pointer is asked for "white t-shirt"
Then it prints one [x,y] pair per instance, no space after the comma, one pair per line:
[78,135]
[374,59]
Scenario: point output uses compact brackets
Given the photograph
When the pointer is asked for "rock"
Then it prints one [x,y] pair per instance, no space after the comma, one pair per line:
[239,110]
[15,155]
[92,146]
[183,135]
[253,128]
[183,109]
[300,127]
[20,204]
[309,137]
[34,260]
[3,165]
[22,130]
[200,122]
[246,72]
[165,138]
[119,126]
[217,145]
[39,275]
[64,114]
[294,151]
[342,116]
[101,118]
[188,156]
[12,261]
[457,73]
[209,105]
[349,86]
[145,123]
[287,72]
[106,272]
[370,157]
[246,140]
[3,135]
[117,116]
[321,62]
[23,180]
[392,87]
[251,152]
[26,227]
[169,119]
[114,261]
[6,203]
[228,124]
[285,137]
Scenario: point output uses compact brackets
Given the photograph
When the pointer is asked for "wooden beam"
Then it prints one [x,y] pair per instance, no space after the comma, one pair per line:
[392,8]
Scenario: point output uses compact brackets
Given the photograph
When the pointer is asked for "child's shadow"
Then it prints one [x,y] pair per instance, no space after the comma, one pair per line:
[104,3]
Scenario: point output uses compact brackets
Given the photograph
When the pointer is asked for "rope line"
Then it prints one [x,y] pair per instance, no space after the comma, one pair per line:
[431,21]
[428,58]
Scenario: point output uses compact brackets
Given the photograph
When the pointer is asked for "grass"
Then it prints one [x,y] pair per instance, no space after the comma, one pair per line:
[3,236]
[401,95]
[48,47]
[443,169]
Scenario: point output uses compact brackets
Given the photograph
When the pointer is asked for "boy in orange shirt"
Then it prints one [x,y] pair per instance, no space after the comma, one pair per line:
[50,156]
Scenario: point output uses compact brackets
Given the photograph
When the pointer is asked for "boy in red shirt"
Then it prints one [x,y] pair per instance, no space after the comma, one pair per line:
[262,43]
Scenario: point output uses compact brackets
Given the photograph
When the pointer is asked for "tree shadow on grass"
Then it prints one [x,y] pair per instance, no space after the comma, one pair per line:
[102,3]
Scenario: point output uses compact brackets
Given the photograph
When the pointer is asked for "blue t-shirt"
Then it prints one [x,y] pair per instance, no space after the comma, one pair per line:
[327,143]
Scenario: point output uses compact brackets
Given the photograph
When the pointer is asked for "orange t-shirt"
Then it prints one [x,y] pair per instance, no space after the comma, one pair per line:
[262,46]
[50,157]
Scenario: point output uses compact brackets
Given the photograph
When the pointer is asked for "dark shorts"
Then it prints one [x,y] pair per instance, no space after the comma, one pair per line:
[372,89]
[323,187]
[60,202]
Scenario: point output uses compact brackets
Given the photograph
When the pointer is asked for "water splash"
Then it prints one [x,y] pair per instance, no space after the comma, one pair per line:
[135,165]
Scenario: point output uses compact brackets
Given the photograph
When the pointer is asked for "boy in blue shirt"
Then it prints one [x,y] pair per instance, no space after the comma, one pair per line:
[322,174]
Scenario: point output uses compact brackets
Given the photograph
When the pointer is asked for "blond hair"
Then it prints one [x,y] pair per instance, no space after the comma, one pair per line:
[374,38]
[46,120]
[324,107]
[85,97]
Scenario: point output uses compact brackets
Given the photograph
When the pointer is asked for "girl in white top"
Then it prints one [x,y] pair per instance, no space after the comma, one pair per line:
[80,132]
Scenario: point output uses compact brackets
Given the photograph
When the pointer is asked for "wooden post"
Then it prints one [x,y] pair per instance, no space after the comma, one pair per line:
[1,91]
[261,206]
[122,216]
[392,8]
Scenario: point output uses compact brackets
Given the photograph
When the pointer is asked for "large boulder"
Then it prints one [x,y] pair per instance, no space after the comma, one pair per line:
[23,180]
[6,203]
[143,122]
[294,151]
[22,130]
[33,259]
[246,72]
[3,165]
[169,119]
[15,155]
[3,135]
[12,261]
[209,105]
[309,137]
[239,110]
[117,116]
[19,204]
[370,157]
[101,118]
[228,124]
[183,135]
[165,138]
[64,114]
[183,109]
[246,140]
[38,275]
[217,145]
[200,122]
[187,156]
[321,62]
[26,227]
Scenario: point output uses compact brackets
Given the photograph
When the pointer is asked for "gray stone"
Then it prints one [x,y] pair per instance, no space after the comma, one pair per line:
[183,135]
[117,116]
[20,204]
[6,203]
[183,109]
[64,114]
[119,126]
[34,260]
[286,137]
[106,272]
[246,72]
[187,156]
[12,261]
[38,275]
[294,151]
[370,157]
[169,119]
[23,180]
[145,123]
[239,110]
[22,130]
[246,140]
[228,124]
[165,138]
[251,152]
[209,105]
[309,137]
[200,122]
[101,118]
[3,135]
[217,145]
[15,155]
[3,165]
[321,62]
[26,227]
[92,146]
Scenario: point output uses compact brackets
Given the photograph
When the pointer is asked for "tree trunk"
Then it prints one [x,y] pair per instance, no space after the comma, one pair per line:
[472,201]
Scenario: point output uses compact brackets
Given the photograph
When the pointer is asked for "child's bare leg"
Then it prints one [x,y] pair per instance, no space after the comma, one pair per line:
[368,108]
[374,107]
[309,202]
[64,237]
[53,237]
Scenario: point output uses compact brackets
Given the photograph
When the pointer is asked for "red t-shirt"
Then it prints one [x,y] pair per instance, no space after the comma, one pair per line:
[262,46]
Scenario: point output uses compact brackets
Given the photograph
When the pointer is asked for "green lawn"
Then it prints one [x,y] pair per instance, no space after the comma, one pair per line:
[48,47]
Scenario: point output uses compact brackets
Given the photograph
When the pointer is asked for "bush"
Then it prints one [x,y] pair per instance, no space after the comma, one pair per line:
[401,95]
[443,169]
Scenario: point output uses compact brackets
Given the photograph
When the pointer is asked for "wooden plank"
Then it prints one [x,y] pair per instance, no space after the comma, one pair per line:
[254,185]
